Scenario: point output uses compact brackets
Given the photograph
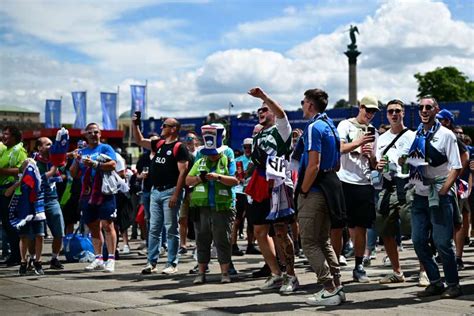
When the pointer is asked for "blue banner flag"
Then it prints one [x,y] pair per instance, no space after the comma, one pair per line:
[138,99]
[109,110]
[79,101]
[52,114]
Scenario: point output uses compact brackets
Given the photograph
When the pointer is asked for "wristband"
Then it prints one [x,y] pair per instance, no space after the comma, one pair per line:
[219,178]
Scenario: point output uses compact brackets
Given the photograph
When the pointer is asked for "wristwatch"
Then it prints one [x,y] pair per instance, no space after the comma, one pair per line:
[219,178]
[304,194]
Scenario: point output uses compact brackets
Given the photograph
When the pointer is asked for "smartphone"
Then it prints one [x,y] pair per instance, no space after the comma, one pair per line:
[139,116]
[371,130]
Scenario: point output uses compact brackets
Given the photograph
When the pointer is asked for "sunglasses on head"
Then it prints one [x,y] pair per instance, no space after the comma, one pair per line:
[262,110]
[369,110]
[427,107]
[164,125]
[391,111]
[96,132]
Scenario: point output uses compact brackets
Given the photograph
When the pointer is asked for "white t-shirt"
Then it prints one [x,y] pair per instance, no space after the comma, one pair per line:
[445,142]
[120,165]
[355,168]
[401,147]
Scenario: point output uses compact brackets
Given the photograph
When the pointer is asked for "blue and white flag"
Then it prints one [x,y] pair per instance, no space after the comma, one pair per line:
[138,99]
[109,110]
[79,100]
[52,114]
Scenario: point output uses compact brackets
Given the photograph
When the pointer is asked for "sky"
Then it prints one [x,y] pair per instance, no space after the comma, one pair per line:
[197,56]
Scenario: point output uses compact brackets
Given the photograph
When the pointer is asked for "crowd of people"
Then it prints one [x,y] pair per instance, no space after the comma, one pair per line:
[323,193]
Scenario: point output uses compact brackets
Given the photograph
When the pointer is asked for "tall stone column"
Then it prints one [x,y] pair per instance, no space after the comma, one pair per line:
[352,57]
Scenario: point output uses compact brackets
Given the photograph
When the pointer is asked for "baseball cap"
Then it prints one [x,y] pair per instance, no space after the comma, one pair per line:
[446,115]
[370,102]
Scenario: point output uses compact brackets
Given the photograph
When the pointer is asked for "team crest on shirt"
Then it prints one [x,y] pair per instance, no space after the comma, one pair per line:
[168,153]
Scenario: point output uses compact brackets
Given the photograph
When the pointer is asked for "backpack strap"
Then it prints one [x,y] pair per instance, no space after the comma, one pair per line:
[159,144]
[175,147]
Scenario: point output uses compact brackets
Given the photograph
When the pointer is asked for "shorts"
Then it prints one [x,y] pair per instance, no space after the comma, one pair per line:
[32,229]
[124,212]
[105,211]
[360,204]
[388,224]
[241,205]
[258,212]
[184,210]
[464,205]
[54,218]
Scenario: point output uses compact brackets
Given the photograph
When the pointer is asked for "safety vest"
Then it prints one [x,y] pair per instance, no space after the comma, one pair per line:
[222,193]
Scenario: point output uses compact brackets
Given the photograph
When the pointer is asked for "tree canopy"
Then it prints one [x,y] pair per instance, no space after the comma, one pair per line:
[446,84]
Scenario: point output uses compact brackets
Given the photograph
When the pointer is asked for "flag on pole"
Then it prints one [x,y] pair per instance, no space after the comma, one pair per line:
[109,110]
[79,101]
[138,99]
[52,114]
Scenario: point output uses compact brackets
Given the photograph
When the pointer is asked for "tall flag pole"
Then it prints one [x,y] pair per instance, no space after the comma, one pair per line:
[52,114]
[108,102]
[79,100]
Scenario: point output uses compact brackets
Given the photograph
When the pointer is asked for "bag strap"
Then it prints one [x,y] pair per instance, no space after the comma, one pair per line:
[175,147]
[394,141]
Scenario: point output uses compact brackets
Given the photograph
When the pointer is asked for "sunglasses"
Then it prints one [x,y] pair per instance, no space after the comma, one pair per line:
[427,107]
[96,132]
[247,146]
[370,111]
[302,102]
[397,111]
[164,125]
[262,110]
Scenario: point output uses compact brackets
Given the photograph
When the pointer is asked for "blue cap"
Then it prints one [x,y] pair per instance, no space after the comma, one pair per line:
[446,115]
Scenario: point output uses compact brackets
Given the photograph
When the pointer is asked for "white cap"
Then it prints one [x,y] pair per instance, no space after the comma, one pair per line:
[248,141]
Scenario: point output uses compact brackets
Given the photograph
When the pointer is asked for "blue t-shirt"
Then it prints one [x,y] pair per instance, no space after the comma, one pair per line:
[318,136]
[93,154]
[245,164]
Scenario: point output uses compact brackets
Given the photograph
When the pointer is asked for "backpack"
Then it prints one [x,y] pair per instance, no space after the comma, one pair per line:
[190,158]
[78,247]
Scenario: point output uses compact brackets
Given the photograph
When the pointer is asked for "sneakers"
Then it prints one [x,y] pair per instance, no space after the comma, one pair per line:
[126,249]
[452,292]
[392,278]
[169,269]
[290,284]
[272,282]
[386,262]
[150,268]
[56,264]
[252,250]
[38,268]
[325,298]
[373,254]
[23,269]
[359,275]
[263,272]
[342,261]
[109,266]
[225,278]
[459,263]
[423,280]
[232,269]
[366,261]
[200,279]
[236,251]
[341,293]
[432,290]
[95,265]
[182,250]
[30,266]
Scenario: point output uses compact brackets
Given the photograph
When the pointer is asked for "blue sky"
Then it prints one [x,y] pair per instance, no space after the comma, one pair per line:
[200,55]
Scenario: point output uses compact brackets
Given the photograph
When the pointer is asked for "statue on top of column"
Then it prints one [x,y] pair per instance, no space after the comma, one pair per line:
[352,30]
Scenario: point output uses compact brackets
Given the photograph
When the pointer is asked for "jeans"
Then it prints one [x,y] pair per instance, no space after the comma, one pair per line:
[441,220]
[162,215]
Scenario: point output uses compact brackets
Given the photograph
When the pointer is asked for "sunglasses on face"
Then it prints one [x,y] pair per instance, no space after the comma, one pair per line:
[427,107]
[164,125]
[262,110]
[189,138]
[96,132]
[370,111]
[396,111]
[247,146]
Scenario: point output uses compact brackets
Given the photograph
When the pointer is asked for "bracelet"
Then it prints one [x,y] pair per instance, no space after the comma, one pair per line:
[304,194]
[219,178]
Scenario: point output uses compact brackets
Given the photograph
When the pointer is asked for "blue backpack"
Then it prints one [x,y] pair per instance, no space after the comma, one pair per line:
[77,247]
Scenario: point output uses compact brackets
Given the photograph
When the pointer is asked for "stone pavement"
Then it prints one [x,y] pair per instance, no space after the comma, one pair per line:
[127,292]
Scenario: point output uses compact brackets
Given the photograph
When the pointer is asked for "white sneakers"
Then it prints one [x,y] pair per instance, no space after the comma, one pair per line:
[423,280]
[272,282]
[170,269]
[290,284]
[126,249]
[326,298]
[100,265]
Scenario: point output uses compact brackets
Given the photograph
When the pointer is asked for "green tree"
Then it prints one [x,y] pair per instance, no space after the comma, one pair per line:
[342,103]
[445,84]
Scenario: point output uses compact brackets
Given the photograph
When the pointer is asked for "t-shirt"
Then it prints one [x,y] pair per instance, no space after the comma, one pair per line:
[245,164]
[145,161]
[355,168]
[445,142]
[164,165]
[401,147]
[49,188]
[93,154]
[11,157]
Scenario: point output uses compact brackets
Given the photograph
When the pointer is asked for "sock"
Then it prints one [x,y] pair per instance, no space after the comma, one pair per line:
[54,256]
[99,257]
[111,257]
[358,261]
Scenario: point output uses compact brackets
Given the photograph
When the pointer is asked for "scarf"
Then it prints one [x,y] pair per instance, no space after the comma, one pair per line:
[92,187]
[417,155]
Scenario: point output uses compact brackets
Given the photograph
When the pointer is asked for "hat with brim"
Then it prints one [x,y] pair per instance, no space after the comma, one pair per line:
[212,139]
[370,102]
[445,115]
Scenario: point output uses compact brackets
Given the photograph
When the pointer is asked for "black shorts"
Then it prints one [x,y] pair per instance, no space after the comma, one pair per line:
[258,211]
[241,205]
[360,205]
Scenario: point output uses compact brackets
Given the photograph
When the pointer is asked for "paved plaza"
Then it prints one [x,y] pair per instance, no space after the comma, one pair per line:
[127,292]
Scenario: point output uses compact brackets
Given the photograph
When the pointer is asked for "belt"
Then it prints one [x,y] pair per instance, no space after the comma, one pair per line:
[163,187]
[329,170]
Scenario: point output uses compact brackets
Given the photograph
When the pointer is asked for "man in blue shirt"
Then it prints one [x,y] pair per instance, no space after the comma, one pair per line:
[320,196]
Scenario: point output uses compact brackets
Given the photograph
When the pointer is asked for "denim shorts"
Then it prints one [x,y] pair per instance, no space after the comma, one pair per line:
[105,211]
[32,229]
[54,218]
